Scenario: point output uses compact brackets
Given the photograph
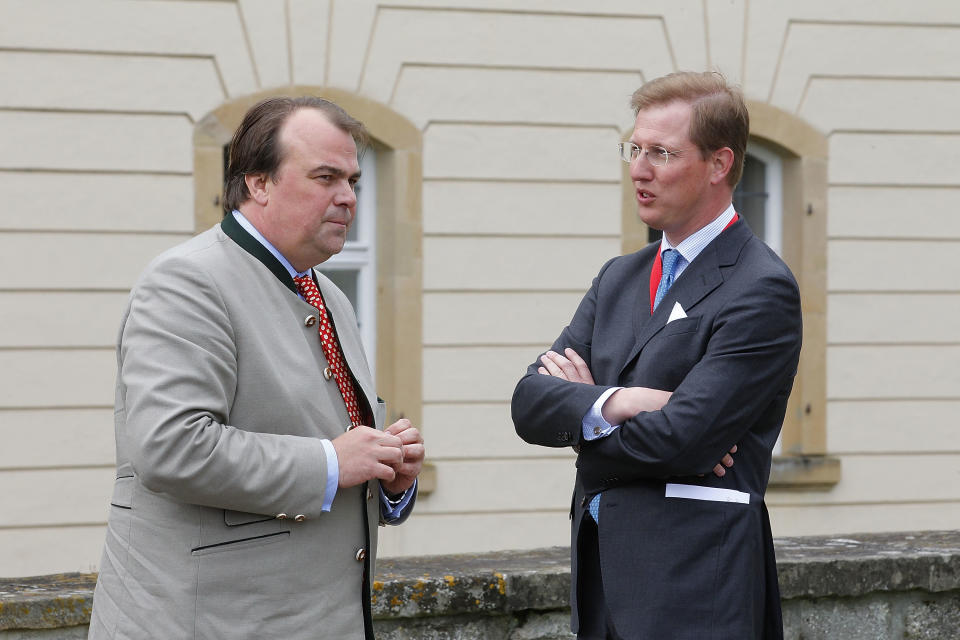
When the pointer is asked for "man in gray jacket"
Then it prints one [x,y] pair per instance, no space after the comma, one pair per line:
[252,461]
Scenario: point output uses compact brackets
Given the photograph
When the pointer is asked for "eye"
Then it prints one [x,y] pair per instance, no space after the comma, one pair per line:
[660,152]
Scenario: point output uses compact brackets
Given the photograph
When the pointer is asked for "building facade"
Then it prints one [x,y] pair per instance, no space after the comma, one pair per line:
[492,196]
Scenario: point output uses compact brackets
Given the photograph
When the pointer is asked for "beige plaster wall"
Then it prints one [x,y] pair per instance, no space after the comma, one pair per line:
[519,104]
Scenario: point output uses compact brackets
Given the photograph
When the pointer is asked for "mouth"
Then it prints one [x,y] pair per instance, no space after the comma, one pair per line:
[644,196]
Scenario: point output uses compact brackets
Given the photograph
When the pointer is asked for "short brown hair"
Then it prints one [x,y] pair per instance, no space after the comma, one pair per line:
[256,148]
[720,117]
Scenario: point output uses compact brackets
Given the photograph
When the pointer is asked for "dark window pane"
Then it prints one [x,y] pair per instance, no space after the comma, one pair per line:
[346,280]
[750,196]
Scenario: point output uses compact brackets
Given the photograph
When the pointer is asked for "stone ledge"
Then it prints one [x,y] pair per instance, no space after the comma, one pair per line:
[856,565]
[46,602]
[804,472]
[503,583]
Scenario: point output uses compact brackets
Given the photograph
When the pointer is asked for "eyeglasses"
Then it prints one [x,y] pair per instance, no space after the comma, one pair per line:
[656,155]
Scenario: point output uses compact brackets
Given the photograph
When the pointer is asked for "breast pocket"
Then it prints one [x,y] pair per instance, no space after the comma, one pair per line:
[670,354]
[682,325]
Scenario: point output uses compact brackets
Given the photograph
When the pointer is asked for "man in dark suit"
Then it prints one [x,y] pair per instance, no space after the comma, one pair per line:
[677,354]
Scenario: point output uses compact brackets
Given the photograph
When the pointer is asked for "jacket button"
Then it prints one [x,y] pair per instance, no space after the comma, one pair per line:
[310,321]
[281,516]
[361,554]
[299,517]
[327,373]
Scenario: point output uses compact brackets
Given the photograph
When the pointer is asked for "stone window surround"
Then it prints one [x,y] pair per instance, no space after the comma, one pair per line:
[804,461]
[399,170]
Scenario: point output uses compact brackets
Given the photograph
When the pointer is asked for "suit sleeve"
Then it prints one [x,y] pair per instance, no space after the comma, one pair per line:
[549,411]
[750,361]
[178,379]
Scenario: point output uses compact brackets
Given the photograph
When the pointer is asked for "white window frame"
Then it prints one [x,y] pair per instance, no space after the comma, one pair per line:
[772,213]
[773,185]
[361,255]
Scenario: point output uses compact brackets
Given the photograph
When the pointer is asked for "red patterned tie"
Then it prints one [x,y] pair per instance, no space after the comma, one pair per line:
[331,348]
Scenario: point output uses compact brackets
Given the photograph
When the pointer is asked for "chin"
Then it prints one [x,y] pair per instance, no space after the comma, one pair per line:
[651,221]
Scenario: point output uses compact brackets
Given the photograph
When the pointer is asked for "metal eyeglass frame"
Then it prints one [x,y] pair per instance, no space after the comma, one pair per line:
[661,156]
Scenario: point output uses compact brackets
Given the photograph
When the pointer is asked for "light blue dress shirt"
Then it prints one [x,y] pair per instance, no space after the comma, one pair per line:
[393,509]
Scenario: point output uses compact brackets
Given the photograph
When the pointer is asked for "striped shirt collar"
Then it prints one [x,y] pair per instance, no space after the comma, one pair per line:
[696,242]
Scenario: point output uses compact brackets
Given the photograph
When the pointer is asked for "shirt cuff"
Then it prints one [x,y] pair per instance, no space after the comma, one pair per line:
[333,474]
[394,509]
[594,426]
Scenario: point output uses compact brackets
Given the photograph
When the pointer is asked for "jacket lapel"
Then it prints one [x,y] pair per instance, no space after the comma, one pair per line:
[698,280]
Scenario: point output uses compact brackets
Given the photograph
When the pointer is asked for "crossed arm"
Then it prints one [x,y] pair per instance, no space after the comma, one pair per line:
[624,403]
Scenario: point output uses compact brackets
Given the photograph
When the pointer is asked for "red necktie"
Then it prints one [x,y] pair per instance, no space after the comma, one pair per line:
[331,348]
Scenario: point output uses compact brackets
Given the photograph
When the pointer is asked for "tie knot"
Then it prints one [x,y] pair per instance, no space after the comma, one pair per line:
[304,283]
[670,258]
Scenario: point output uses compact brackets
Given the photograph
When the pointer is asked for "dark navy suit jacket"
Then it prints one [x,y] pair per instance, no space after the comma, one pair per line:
[678,567]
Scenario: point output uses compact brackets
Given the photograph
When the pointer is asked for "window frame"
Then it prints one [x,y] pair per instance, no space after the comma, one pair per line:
[360,254]
[803,151]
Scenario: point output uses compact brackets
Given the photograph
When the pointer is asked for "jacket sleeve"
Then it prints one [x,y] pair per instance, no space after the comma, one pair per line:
[549,411]
[749,363]
[177,369]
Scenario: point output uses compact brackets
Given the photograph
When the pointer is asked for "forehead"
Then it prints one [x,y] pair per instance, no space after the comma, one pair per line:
[308,137]
[665,124]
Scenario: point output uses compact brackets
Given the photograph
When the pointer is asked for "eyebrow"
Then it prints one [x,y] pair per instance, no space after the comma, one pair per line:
[655,144]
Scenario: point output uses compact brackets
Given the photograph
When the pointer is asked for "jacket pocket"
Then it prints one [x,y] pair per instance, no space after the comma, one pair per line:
[240,543]
[682,325]
[223,530]
[240,518]
[710,494]
[122,493]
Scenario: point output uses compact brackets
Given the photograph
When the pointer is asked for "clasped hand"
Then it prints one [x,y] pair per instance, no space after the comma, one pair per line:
[624,403]
[394,456]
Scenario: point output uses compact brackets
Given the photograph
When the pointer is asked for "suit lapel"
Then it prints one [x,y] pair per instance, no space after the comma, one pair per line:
[251,245]
[698,280]
[349,338]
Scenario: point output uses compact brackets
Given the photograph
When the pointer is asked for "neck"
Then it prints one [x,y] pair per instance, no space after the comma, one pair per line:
[709,214]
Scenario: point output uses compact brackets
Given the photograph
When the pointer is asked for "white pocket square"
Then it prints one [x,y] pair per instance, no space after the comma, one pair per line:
[676,313]
[712,494]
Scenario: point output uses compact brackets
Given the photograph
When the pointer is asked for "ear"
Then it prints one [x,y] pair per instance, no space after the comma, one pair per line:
[721,164]
[258,184]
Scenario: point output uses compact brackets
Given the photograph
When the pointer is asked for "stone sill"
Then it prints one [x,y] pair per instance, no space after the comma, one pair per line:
[804,472]
[504,582]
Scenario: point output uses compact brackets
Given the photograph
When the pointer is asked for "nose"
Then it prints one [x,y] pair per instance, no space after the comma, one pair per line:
[346,196]
[640,168]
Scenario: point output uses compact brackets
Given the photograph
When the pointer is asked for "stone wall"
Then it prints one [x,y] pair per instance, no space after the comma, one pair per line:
[870,587]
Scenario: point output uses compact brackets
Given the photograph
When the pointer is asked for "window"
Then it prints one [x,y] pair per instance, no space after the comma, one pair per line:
[759,195]
[354,269]
[380,267]
[783,198]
